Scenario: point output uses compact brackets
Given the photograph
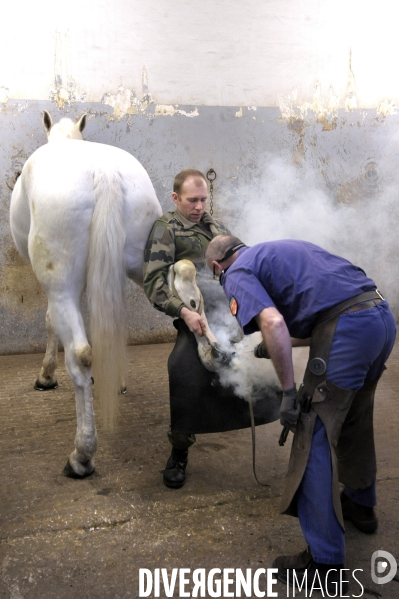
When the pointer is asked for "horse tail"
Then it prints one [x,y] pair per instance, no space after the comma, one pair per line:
[106,280]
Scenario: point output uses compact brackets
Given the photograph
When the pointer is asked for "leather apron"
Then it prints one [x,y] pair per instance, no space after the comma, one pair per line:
[347,416]
[199,403]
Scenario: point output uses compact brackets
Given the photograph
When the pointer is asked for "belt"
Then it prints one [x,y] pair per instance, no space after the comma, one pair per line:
[362,306]
[362,298]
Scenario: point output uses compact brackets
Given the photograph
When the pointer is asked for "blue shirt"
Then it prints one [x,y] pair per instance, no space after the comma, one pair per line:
[298,278]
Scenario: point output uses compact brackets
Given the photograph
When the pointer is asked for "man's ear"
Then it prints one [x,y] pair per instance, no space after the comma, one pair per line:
[216,267]
[175,197]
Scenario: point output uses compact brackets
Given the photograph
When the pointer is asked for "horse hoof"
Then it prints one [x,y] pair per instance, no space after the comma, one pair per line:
[123,390]
[70,472]
[41,387]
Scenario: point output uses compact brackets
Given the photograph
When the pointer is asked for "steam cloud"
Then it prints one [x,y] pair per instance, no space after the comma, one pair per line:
[355,220]
[250,377]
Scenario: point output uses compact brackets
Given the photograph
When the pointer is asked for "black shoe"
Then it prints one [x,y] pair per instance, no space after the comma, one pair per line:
[361,516]
[174,474]
[301,572]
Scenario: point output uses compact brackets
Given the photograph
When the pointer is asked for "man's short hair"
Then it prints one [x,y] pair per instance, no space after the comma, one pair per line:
[183,175]
[218,248]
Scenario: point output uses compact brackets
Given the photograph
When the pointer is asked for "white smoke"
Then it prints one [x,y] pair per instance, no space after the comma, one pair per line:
[355,220]
[291,202]
[249,376]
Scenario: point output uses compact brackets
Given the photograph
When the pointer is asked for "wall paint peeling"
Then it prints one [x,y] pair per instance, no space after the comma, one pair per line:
[125,100]
[386,108]
[65,90]
[326,114]
[290,109]
[167,110]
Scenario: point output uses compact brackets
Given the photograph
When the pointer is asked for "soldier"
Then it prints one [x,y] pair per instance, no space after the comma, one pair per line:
[199,402]
[182,234]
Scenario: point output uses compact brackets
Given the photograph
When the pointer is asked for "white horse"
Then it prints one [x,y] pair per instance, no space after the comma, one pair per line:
[81,213]
[182,281]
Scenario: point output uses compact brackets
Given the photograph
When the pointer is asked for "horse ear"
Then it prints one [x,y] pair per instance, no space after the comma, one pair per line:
[47,121]
[81,123]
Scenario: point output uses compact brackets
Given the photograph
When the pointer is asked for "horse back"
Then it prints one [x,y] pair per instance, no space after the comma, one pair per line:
[54,201]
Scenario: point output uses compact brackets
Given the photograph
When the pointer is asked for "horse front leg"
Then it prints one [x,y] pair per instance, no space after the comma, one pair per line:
[80,462]
[46,379]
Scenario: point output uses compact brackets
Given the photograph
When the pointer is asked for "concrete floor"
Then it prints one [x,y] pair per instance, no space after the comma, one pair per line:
[67,539]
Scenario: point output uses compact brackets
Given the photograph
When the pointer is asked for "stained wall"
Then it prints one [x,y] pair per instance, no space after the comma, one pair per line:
[293,104]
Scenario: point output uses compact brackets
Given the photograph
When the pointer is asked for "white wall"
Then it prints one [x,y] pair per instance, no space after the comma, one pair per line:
[339,54]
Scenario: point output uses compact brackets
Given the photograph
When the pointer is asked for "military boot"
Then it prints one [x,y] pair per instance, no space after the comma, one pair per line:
[174,474]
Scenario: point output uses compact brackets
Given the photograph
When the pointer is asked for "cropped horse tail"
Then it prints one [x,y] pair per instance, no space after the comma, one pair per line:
[106,280]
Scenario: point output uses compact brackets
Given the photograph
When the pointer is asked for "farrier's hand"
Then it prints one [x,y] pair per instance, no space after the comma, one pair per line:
[290,408]
[193,320]
[260,351]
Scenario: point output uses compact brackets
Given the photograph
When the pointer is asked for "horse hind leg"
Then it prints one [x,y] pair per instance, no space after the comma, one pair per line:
[67,321]
[46,379]
[80,463]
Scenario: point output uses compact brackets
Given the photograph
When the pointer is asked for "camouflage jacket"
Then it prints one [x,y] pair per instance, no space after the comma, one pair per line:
[175,238]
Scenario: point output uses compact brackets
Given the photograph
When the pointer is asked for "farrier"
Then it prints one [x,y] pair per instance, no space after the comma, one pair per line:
[296,293]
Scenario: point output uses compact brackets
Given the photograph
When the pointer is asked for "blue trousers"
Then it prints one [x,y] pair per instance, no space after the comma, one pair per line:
[361,345]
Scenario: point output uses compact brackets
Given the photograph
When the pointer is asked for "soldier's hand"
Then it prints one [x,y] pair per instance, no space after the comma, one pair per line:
[260,351]
[290,409]
[193,320]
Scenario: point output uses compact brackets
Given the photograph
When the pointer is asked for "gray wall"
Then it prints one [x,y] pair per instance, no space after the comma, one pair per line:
[288,101]
[329,180]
